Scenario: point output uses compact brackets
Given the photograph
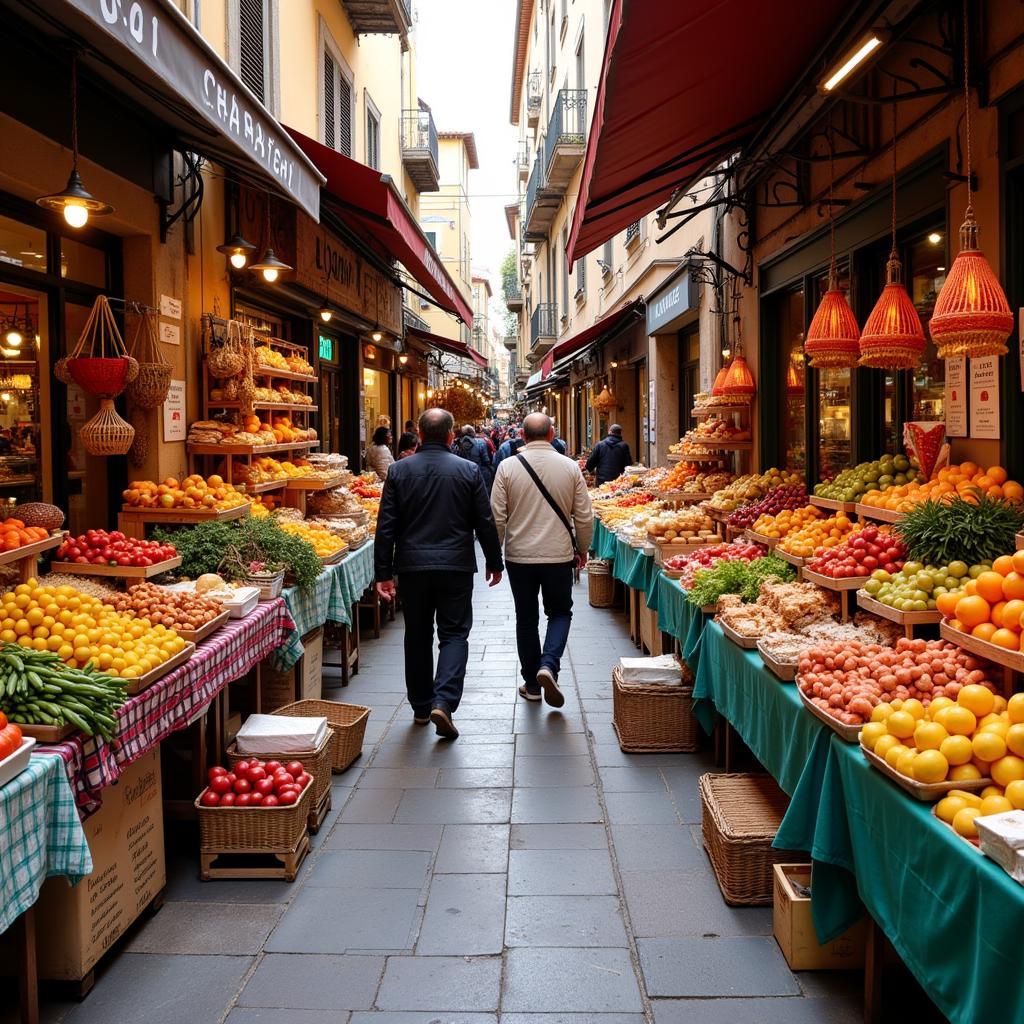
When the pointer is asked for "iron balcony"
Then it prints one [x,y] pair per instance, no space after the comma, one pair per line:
[420,150]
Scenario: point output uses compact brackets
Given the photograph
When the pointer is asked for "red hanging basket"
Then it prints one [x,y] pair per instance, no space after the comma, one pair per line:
[833,338]
[893,338]
[104,377]
[971,316]
[739,380]
[100,363]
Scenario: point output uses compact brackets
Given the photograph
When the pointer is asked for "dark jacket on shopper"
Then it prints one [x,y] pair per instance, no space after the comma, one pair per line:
[432,506]
[475,450]
[513,444]
[609,458]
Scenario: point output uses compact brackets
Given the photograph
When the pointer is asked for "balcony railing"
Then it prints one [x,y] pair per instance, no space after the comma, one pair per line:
[420,149]
[523,159]
[543,324]
[568,124]
[534,92]
[532,186]
[513,293]
[512,343]
[632,233]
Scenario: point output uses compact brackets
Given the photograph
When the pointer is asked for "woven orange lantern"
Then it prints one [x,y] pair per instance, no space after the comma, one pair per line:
[738,379]
[971,317]
[833,338]
[720,382]
[794,380]
[893,338]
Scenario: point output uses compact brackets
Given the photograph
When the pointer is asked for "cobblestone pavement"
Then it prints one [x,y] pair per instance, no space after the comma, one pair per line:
[529,873]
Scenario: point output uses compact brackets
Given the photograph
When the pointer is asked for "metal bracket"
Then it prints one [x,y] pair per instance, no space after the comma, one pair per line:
[193,188]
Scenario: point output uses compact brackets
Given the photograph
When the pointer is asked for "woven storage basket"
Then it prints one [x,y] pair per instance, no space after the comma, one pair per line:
[654,718]
[106,433]
[254,829]
[269,586]
[348,721]
[151,386]
[740,815]
[600,584]
[316,762]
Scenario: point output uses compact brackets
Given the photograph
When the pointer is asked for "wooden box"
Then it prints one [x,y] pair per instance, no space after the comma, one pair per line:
[303,681]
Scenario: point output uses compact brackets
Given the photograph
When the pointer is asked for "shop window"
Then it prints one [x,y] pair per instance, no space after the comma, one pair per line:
[82,263]
[927,275]
[792,372]
[376,401]
[22,246]
[835,443]
[336,115]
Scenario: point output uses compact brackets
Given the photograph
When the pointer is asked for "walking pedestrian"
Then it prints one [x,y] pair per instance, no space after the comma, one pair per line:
[407,444]
[378,455]
[610,456]
[545,521]
[432,505]
[475,450]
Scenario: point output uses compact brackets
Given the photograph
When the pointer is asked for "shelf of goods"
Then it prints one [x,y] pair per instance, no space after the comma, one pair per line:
[849,507]
[707,410]
[116,571]
[842,585]
[795,560]
[26,557]
[908,620]
[1013,660]
[132,521]
[760,538]
[672,457]
[881,515]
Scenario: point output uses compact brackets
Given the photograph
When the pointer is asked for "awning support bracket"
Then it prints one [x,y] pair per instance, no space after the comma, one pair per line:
[191,183]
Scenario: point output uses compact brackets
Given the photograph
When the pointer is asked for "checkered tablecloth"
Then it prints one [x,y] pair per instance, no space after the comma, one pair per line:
[172,702]
[337,588]
[40,835]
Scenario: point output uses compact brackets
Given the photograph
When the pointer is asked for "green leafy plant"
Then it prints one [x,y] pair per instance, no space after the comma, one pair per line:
[744,578]
[972,530]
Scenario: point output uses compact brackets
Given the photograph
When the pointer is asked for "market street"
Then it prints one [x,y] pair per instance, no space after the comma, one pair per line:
[526,872]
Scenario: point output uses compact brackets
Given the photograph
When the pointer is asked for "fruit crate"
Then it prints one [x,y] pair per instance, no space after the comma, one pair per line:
[654,718]
[747,643]
[144,572]
[927,792]
[849,733]
[908,620]
[849,507]
[881,515]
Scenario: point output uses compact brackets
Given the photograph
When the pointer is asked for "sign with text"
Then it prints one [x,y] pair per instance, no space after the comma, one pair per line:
[985,397]
[175,424]
[170,334]
[955,402]
[170,307]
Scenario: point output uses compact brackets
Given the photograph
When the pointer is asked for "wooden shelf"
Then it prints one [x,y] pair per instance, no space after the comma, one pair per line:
[264,486]
[990,652]
[838,583]
[849,507]
[27,551]
[908,620]
[695,458]
[17,481]
[270,371]
[727,446]
[313,484]
[248,449]
[296,406]
[760,538]
[882,515]
[117,571]
[140,683]
[707,410]
[795,560]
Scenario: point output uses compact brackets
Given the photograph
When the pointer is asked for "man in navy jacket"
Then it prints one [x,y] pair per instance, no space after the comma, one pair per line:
[610,456]
[433,505]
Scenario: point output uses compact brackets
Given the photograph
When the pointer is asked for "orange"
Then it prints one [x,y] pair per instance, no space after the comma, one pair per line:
[970,588]
[969,469]
[1018,561]
[946,604]
[972,611]
[1013,584]
[996,612]
[997,474]
[978,699]
[1006,638]
[1012,491]
[990,586]
[984,631]
[1012,612]
[1003,565]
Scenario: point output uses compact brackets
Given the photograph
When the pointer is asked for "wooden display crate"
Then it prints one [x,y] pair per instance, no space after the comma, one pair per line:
[849,507]
[139,684]
[927,792]
[908,620]
[760,538]
[132,521]
[27,556]
[1011,661]
[196,636]
[143,572]
[881,515]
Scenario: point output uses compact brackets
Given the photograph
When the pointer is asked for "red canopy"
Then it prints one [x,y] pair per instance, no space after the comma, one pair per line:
[606,325]
[457,348]
[682,85]
[371,203]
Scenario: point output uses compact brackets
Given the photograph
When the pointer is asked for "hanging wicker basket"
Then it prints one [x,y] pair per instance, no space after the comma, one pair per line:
[150,387]
[106,433]
[247,385]
[100,364]
[225,355]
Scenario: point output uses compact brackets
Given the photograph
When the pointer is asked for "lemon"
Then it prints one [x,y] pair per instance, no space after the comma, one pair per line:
[995,805]
[987,746]
[929,766]
[1007,769]
[914,707]
[1015,707]
[959,721]
[1000,704]
[977,699]
[901,724]
[948,806]
[1015,737]
[964,773]
[885,744]
[1015,794]
[963,821]
[872,733]
[929,735]
[880,712]
[938,704]
[894,753]
[905,762]
[991,719]
[991,791]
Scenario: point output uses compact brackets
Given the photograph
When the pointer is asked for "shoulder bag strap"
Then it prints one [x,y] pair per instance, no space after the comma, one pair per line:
[546,494]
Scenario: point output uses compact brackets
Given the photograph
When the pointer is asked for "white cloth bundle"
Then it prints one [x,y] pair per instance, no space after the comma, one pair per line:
[280,734]
[645,671]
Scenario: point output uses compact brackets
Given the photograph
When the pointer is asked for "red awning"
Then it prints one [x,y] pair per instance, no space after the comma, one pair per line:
[456,348]
[605,326]
[371,203]
[682,86]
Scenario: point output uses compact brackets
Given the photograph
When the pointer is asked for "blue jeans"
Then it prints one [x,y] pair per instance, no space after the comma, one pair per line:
[554,582]
[448,597]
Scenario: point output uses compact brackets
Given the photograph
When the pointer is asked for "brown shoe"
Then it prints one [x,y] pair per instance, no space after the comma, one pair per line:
[549,684]
[444,724]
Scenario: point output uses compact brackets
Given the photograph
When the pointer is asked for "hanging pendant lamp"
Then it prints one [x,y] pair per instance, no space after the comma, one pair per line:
[893,338]
[794,380]
[718,388]
[971,317]
[739,381]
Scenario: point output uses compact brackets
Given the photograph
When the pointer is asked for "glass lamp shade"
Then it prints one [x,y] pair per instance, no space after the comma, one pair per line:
[893,338]
[739,380]
[720,381]
[833,338]
[971,316]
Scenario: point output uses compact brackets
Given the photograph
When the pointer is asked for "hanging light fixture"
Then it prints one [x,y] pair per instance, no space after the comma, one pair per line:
[833,337]
[893,338]
[75,202]
[971,316]
[326,314]
[794,377]
[719,384]
[738,379]
[237,250]
[403,357]
[269,265]
[377,334]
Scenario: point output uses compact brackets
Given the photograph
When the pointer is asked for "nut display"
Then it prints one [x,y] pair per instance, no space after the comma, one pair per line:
[172,609]
[685,524]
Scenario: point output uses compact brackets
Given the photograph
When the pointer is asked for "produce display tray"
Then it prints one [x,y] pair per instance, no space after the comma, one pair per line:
[314,483]
[264,486]
[140,684]
[695,458]
[784,670]
[729,446]
[991,652]
[849,507]
[834,583]
[796,560]
[278,406]
[882,515]
[974,844]
[186,515]
[14,764]
[246,598]
[717,514]
[336,557]
[248,449]
[143,572]
[758,538]
[925,792]
[737,407]
[883,611]
[663,551]
[45,733]
[195,636]
[748,643]
[844,732]
[271,371]
[35,548]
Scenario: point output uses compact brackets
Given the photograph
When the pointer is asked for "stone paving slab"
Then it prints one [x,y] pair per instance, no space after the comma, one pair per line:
[564,921]
[431,983]
[314,982]
[473,849]
[587,980]
[464,916]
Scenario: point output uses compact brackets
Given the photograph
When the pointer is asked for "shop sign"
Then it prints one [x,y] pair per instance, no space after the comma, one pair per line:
[955,402]
[672,302]
[985,397]
[326,348]
[170,334]
[175,424]
[170,307]
[157,42]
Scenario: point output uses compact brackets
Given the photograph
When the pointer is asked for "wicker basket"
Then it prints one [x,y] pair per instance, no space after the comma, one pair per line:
[654,718]
[254,829]
[600,584]
[740,815]
[348,721]
[151,386]
[316,762]
[106,433]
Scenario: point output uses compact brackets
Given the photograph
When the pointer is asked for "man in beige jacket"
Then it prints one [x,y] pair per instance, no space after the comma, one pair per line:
[545,521]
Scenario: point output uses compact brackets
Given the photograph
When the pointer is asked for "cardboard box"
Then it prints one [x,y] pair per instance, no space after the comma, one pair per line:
[310,679]
[650,634]
[303,681]
[76,926]
[794,929]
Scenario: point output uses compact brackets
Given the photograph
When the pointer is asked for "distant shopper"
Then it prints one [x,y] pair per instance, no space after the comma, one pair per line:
[545,521]
[408,443]
[515,441]
[610,456]
[430,510]
[474,449]
[378,455]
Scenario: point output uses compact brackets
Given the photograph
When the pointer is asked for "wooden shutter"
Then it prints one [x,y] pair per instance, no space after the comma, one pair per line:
[330,115]
[372,141]
[252,46]
[344,115]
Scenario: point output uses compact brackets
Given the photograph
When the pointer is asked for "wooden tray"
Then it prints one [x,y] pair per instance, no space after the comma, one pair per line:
[663,551]
[783,670]
[882,515]
[119,571]
[883,611]
[195,636]
[974,844]
[313,484]
[748,643]
[849,507]
[185,515]
[696,458]
[844,732]
[717,514]
[140,684]
[45,733]
[263,486]
[271,371]
[991,652]
[758,538]
[248,449]
[683,497]
[336,557]
[926,792]
[796,560]
[728,446]
[837,583]
[33,549]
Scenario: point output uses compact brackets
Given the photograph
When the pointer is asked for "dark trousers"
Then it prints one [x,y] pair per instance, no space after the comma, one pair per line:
[448,597]
[554,582]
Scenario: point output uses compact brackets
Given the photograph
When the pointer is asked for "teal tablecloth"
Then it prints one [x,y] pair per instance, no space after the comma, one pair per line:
[635,568]
[330,599]
[686,622]
[40,835]
[603,542]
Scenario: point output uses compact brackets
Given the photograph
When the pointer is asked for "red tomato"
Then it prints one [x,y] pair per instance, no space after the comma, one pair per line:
[273,766]
[242,786]
[270,800]
[264,786]
[304,780]
[228,799]
[283,779]
[255,774]
[295,768]
[241,766]
[209,799]
[255,798]
[220,784]
[214,772]
[287,797]
[243,799]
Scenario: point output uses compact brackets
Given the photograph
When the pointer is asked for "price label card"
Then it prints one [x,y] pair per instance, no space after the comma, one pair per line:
[985,397]
[170,307]
[175,426]
[956,397]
